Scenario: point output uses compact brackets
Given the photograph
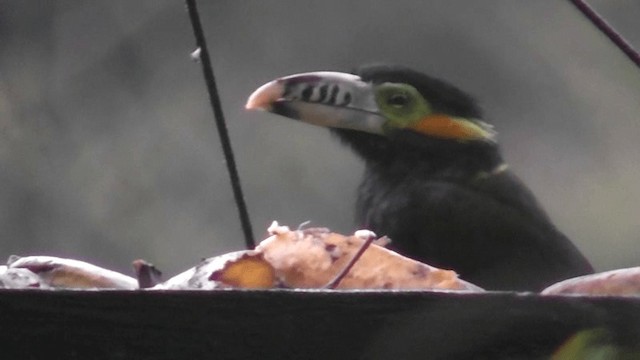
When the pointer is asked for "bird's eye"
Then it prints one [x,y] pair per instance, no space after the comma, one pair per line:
[398,100]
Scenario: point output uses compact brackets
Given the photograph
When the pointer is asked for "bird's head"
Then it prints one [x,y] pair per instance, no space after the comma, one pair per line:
[379,100]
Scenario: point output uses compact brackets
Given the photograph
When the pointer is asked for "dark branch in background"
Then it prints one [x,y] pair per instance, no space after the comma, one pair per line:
[608,30]
[203,54]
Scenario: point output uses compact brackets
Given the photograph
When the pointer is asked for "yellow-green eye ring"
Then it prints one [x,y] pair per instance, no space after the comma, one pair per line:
[401,104]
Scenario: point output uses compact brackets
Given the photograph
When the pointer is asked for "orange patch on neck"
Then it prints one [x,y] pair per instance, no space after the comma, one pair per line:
[447,127]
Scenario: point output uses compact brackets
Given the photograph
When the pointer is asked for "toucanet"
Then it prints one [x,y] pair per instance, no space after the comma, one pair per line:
[435,181]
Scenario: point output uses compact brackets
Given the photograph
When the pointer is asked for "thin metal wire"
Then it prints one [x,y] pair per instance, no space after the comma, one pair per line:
[608,30]
[202,53]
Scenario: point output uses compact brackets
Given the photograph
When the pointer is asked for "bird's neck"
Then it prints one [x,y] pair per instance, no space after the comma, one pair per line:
[412,154]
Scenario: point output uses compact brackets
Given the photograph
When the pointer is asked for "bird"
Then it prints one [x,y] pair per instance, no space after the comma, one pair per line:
[435,181]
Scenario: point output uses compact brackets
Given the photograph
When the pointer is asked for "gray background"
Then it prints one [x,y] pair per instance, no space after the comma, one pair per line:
[108,151]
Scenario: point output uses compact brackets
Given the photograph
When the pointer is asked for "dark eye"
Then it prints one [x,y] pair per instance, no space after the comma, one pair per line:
[398,100]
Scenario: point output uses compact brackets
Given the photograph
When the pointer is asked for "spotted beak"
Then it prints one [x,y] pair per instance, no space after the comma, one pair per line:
[329,99]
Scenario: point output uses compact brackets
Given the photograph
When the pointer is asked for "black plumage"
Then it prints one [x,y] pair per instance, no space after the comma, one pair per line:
[452,203]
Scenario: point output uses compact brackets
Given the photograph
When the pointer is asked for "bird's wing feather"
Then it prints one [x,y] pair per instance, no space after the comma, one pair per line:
[484,232]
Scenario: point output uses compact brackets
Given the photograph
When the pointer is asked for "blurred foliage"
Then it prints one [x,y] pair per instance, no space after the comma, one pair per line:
[594,344]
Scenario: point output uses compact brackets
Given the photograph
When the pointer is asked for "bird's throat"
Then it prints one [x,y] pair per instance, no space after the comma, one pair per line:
[408,152]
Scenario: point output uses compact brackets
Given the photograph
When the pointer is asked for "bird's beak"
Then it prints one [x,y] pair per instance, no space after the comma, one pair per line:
[330,99]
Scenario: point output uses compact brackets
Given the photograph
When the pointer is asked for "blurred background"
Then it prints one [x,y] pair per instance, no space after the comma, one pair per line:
[109,152]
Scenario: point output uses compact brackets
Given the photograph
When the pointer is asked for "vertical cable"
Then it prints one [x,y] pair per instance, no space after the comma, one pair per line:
[214,98]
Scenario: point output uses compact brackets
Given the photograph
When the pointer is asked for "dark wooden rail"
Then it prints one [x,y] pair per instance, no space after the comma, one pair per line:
[282,324]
